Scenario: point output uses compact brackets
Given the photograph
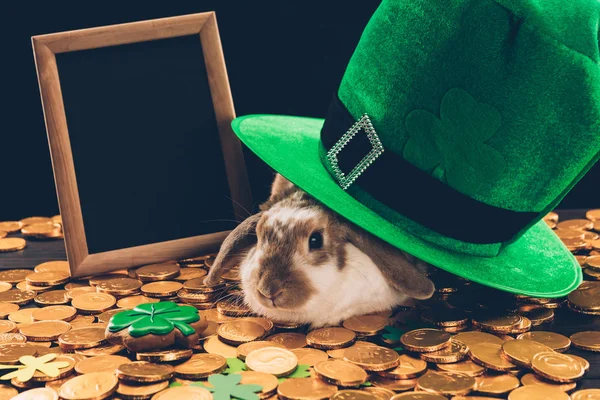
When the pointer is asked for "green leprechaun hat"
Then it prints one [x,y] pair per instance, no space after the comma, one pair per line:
[457,126]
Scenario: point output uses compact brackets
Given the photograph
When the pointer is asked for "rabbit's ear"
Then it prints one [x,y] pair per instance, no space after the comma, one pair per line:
[399,271]
[234,249]
[280,189]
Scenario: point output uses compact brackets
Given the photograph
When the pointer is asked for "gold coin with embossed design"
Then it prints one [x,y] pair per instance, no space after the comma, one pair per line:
[425,340]
[374,358]
[407,368]
[341,373]
[12,244]
[93,303]
[239,331]
[330,338]
[272,360]
[200,366]
[95,385]
[557,367]
[305,389]
[143,371]
[446,383]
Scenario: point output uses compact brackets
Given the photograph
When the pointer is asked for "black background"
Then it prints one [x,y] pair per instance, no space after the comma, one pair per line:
[283,57]
[145,143]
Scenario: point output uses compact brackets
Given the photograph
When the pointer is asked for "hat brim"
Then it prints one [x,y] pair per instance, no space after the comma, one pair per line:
[537,264]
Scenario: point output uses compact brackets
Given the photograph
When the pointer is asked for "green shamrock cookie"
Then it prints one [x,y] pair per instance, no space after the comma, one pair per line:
[156,326]
[467,162]
[158,318]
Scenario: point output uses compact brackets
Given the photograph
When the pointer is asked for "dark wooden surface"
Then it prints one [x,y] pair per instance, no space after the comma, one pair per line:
[566,322]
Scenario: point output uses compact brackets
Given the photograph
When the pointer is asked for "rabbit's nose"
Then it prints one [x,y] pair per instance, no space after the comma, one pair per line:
[270,293]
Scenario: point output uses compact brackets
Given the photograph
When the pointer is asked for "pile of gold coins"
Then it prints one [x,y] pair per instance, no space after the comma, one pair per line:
[31,227]
[468,341]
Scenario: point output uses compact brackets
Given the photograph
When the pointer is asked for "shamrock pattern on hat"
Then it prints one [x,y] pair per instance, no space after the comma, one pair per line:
[453,147]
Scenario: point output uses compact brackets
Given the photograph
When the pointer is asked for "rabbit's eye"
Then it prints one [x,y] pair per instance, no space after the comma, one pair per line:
[315,241]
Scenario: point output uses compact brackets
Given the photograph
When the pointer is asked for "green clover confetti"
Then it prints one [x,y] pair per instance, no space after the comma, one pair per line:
[157,318]
[453,147]
[226,387]
[234,365]
[301,371]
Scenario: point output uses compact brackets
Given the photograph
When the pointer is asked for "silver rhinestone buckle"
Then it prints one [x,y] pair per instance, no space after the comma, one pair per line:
[365,124]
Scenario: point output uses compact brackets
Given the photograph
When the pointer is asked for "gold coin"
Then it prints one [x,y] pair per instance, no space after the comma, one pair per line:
[107,315]
[96,279]
[36,220]
[11,352]
[158,272]
[267,382]
[372,358]
[305,389]
[307,356]
[551,216]
[133,391]
[200,366]
[467,367]
[44,331]
[557,367]
[595,245]
[586,394]
[4,286]
[520,352]
[41,230]
[584,363]
[214,315]
[183,392]
[233,307]
[82,338]
[36,394]
[593,215]
[425,340]
[100,364]
[291,340]
[11,226]
[197,285]
[382,393]
[489,355]
[93,303]
[78,291]
[587,340]
[532,392]
[14,275]
[366,325]
[341,373]
[105,349]
[330,338]
[233,275]
[119,286]
[397,385]
[591,274]
[586,297]
[533,379]
[160,356]
[161,288]
[211,330]
[267,324]
[579,224]
[245,348]
[52,298]
[95,385]
[555,341]
[12,244]
[445,317]
[272,360]
[214,345]
[3,234]
[61,313]
[142,371]
[593,262]
[497,384]
[36,289]
[6,338]
[22,316]
[131,302]
[407,368]
[496,323]
[7,308]
[539,316]
[353,394]
[239,331]
[457,351]
[185,274]
[53,266]
[574,245]
[82,320]
[446,383]
[17,296]
[570,234]
[339,353]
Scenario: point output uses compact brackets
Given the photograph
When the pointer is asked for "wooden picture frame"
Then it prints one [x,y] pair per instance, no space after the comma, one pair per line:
[45,48]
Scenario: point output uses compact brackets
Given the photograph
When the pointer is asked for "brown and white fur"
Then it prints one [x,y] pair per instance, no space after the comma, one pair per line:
[283,278]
